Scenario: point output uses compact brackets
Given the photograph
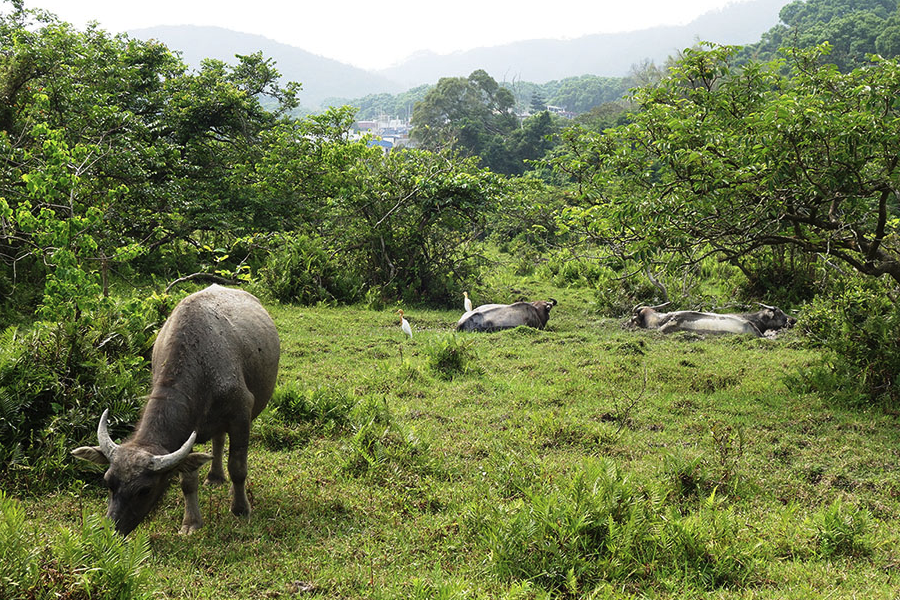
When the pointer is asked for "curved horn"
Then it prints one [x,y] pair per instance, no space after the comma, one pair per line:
[165,462]
[640,306]
[552,302]
[766,306]
[107,446]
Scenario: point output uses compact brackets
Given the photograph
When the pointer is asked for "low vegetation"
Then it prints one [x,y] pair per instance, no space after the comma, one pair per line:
[581,461]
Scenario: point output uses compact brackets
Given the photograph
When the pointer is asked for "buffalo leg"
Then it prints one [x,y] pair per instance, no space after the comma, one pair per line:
[238,442]
[216,474]
[190,482]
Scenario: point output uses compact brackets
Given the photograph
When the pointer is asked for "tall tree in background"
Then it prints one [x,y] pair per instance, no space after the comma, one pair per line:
[473,115]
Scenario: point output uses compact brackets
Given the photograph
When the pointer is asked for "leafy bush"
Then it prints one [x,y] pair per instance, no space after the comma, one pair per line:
[616,295]
[93,562]
[301,270]
[57,378]
[858,327]
[449,357]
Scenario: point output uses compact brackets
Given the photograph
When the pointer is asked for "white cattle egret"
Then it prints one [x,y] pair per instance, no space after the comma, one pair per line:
[404,324]
[466,302]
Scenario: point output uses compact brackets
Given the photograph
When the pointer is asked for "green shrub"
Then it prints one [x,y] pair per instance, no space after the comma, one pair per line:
[687,476]
[449,357]
[615,295]
[380,447]
[92,562]
[858,328]
[19,556]
[294,415]
[301,270]
[57,378]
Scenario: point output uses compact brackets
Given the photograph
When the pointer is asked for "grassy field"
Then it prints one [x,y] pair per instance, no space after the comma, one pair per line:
[584,460]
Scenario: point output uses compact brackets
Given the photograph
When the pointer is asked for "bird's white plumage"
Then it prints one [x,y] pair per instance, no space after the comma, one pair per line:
[404,324]
[466,302]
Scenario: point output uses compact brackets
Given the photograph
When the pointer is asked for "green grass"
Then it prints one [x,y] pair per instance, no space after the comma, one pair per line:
[580,461]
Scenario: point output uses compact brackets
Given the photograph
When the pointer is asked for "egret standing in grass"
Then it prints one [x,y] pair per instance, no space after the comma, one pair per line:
[404,324]
[466,302]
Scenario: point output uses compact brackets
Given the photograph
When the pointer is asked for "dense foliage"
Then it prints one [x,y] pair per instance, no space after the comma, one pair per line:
[475,116]
[731,160]
[853,28]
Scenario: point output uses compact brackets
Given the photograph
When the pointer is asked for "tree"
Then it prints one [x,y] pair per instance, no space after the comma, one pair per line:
[740,159]
[473,115]
[538,103]
[854,28]
[152,148]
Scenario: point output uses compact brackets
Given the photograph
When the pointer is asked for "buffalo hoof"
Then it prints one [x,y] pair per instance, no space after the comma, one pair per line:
[214,480]
[187,529]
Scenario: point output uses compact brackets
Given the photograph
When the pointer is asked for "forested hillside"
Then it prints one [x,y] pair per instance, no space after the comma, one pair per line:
[854,30]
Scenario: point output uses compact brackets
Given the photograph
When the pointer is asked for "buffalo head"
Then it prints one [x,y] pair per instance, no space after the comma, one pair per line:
[646,317]
[137,477]
[771,318]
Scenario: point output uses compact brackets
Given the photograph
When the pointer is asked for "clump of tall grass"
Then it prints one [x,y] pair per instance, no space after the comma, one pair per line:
[295,414]
[602,525]
[450,357]
[91,562]
[840,529]
[380,447]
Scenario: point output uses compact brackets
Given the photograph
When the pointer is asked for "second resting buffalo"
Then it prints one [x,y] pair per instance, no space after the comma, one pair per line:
[494,317]
[770,318]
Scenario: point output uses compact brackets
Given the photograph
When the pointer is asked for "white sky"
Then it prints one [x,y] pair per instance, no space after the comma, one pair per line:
[375,35]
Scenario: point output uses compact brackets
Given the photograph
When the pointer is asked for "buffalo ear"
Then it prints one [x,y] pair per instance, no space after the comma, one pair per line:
[194,461]
[91,454]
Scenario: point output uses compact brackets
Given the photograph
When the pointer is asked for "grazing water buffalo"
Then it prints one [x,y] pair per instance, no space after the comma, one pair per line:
[757,323]
[493,317]
[214,366]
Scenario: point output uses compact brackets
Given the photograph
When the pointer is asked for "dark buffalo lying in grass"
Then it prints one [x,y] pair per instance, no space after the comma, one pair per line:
[494,317]
[214,366]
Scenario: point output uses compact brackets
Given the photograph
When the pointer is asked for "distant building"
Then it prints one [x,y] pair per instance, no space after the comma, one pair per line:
[561,111]
[385,145]
[385,132]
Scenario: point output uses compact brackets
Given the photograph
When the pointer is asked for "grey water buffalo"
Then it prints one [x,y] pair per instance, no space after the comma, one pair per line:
[770,318]
[214,364]
[494,317]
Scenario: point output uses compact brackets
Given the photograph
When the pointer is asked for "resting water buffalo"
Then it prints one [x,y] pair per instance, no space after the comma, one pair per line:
[493,317]
[755,323]
[214,366]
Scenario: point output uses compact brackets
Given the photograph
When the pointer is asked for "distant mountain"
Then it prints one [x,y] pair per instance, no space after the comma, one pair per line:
[608,55]
[321,77]
[538,61]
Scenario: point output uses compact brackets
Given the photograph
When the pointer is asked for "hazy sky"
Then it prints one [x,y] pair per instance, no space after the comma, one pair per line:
[378,34]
